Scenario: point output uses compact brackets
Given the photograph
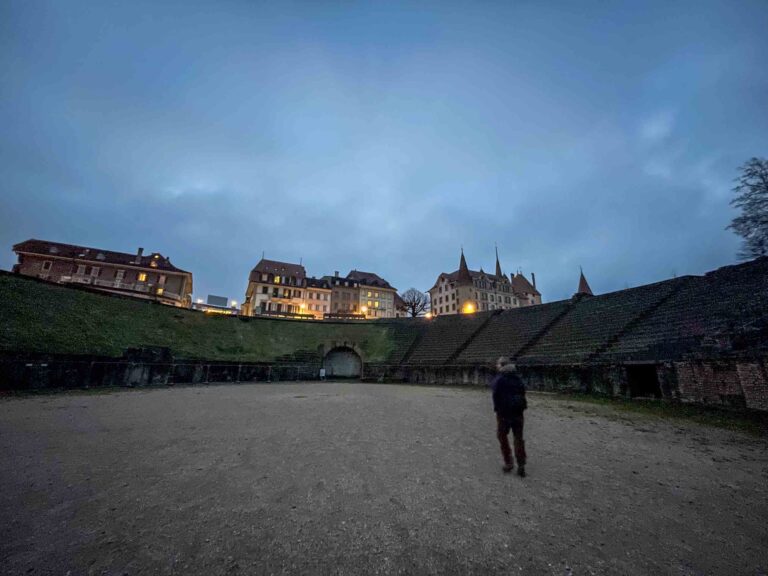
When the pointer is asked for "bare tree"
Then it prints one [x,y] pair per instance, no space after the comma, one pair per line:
[752,199]
[414,302]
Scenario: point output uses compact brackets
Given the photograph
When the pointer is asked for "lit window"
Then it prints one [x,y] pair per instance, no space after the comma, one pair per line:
[277,279]
[369,295]
[377,294]
[142,277]
[153,263]
[376,305]
[159,291]
[369,303]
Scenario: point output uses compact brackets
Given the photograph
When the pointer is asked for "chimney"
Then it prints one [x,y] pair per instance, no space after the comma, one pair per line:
[336,273]
[533,277]
[139,254]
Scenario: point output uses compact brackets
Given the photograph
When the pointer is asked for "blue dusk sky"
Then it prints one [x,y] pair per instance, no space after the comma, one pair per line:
[384,136]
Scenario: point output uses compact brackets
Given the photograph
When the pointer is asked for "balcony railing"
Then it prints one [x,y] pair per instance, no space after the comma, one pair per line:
[143,287]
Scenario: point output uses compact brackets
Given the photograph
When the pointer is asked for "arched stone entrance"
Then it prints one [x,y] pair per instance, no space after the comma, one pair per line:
[343,362]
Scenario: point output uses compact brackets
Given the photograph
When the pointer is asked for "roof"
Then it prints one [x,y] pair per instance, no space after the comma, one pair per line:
[368,279]
[584,286]
[520,284]
[278,268]
[318,283]
[454,276]
[46,248]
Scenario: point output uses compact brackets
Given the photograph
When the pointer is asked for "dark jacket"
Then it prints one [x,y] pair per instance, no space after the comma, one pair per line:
[508,394]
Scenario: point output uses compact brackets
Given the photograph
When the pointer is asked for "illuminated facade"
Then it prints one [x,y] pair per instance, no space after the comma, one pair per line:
[467,291]
[151,277]
[283,289]
[362,294]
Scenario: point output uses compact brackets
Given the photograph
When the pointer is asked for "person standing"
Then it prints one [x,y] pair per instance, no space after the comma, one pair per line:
[509,403]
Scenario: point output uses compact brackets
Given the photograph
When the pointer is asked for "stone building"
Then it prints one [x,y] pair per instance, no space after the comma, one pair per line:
[362,294]
[377,297]
[151,277]
[318,302]
[276,288]
[467,291]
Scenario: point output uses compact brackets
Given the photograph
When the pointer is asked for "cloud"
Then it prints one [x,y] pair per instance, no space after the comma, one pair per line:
[658,127]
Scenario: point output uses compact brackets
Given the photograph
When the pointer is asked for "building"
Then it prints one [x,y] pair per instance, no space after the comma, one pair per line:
[319,297]
[217,305]
[345,297]
[377,297]
[276,289]
[151,277]
[361,295]
[283,289]
[467,291]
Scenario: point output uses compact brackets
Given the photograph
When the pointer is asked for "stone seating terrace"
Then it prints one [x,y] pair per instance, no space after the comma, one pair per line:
[593,321]
[506,334]
[727,301]
[444,337]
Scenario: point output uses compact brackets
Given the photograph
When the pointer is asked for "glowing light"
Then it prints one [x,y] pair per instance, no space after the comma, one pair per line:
[364,309]
[428,315]
[233,303]
[468,308]
[199,300]
[303,306]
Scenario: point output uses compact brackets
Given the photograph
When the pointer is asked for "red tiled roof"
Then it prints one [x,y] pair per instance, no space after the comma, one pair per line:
[521,285]
[584,286]
[46,248]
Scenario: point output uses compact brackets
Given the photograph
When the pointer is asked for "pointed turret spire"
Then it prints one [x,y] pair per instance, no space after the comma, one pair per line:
[464,275]
[583,284]
[498,265]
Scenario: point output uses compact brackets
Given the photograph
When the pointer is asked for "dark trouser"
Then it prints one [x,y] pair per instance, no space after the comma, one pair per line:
[504,425]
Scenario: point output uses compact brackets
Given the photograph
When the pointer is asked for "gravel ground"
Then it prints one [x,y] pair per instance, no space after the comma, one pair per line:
[368,479]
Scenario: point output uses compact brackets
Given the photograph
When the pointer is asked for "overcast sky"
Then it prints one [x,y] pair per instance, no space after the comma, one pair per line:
[384,136]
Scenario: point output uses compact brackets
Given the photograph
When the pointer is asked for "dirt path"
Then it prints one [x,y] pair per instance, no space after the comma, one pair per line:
[363,479]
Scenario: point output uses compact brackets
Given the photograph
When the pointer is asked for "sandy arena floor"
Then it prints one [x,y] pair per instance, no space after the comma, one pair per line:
[368,479]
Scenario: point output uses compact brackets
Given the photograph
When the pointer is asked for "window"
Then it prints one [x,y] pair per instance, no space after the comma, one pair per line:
[81,269]
[119,274]
[159,291]
[376,294]
[95,272]
[376,304]
[277,279]
[47,265]
[142,277]
[369,303]
[264,278]
[369,294]
[274,292]
[161,280]
[325,308]
[264,290]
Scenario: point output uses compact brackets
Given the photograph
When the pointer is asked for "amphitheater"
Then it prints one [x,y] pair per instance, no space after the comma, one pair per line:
[694,338]
[179,443]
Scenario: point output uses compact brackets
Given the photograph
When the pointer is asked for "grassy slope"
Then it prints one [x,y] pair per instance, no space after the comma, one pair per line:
[46,318]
